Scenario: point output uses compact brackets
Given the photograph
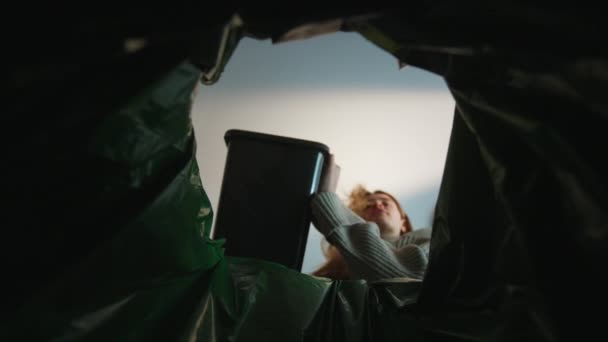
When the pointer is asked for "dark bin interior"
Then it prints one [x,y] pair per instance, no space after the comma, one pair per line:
[106,222]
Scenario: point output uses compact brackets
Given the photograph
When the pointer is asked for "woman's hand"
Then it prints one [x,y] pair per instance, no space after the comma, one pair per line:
[330,175]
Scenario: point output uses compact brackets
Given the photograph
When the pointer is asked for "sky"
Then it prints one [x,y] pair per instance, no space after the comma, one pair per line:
[387,127]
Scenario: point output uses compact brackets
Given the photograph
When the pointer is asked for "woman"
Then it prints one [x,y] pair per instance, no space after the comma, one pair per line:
[371,239]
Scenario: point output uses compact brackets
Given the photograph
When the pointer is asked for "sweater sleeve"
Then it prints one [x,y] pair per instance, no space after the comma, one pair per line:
[367,255]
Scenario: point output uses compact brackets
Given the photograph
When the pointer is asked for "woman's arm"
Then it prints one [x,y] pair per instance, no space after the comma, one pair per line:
[368,256]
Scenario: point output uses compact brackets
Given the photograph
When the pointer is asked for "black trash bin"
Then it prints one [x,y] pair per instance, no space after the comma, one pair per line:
[263,210]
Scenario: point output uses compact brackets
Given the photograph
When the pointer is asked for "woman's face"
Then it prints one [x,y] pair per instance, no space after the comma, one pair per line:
[382,210]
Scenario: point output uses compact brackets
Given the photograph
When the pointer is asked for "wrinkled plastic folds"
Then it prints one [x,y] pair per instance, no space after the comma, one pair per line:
[161,278]
[107,222]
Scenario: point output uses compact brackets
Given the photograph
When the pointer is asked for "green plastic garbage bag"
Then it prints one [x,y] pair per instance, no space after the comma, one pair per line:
[519,245]
[158,276]
[146,183]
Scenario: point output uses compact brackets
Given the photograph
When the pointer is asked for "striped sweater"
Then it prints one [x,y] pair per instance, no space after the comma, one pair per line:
[367,255]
